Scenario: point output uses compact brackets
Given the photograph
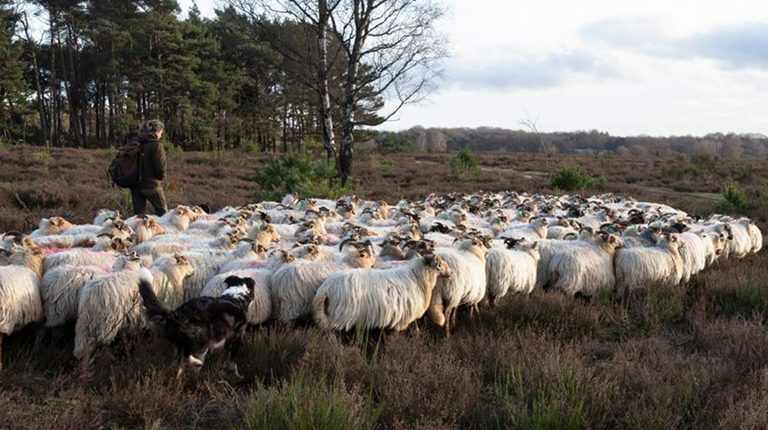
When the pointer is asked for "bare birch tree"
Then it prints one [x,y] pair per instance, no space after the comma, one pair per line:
[391,51]
[545,143]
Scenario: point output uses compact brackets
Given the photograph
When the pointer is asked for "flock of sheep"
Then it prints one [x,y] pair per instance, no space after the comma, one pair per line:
[353,264]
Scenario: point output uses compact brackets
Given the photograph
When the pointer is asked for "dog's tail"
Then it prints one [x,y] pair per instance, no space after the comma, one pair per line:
[319,312]
[155,309]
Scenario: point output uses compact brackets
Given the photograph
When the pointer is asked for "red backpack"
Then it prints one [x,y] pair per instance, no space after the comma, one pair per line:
[125,169]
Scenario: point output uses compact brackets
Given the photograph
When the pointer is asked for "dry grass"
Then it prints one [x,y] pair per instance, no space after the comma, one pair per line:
[674,359]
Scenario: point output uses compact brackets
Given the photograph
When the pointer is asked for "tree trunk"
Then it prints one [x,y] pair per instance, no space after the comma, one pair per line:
[325,99]
[38,86]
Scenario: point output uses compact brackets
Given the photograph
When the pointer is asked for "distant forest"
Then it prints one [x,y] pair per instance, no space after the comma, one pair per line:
[732,146]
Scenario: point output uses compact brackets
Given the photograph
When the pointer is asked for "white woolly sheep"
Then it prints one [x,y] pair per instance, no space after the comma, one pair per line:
[511,269]
[659,266]
[293,286]
[373,298]
[20,302]
[110,303]
[465,286]
[577,267]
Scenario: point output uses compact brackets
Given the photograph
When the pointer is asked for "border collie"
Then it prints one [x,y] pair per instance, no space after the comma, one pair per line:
[203,324]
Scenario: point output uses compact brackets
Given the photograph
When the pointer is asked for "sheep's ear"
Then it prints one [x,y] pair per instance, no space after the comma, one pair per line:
[289,257]
[534,244]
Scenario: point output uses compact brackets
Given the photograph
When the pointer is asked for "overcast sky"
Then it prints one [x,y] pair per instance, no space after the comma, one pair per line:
[627,67]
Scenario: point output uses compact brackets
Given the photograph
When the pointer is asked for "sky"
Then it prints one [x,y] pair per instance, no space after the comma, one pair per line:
[669,67]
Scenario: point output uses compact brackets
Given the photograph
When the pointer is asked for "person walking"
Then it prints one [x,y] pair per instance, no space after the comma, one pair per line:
[152,166]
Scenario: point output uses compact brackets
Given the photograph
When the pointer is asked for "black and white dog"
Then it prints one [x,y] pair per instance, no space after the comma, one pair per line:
[203,324]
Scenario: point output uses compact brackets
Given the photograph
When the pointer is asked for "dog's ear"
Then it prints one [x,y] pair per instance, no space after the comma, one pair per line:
[250,283]
[232,281]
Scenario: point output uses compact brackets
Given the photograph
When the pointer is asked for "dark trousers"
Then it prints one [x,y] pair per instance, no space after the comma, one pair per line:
[155,197]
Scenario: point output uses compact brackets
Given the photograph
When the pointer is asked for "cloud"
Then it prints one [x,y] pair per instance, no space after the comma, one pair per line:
[528,73]
[742,46]
[731,46]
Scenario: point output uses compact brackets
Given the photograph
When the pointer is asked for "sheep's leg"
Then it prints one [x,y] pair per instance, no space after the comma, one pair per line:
[2,336]
[86,360]
[40,333]
[449,312]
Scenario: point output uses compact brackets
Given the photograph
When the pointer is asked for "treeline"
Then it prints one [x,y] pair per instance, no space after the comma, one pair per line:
[580,142]
[84,73]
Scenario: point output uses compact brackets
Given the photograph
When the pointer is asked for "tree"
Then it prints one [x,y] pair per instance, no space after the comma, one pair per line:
[545,142]
[12,84]
[387,49]
[392,49]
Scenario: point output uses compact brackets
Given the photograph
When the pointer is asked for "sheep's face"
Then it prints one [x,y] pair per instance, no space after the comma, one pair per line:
[310,252]
[611,242]
[182,263]
[55,225]
[244,214]
[268,233]
[441,267]
[154,226]
[186,212]
[361,258]
[259,250]
[279,257]
[718,241]
[118,245]
[232,240]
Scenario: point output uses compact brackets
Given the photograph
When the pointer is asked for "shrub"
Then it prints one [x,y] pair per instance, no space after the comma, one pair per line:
[304,174]
[394,142]
[464,164]
[249,145]
[692,170]
[546,398]
[572,179]
[735,199]
[305,404]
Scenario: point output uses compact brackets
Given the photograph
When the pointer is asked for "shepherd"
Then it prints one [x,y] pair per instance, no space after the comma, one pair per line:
[152,170]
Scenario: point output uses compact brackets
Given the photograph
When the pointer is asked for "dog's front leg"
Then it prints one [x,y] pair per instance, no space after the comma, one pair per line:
[182,364]
[233,346]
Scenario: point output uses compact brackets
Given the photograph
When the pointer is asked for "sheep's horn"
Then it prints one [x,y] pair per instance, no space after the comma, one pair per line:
[369,245]
[344,242]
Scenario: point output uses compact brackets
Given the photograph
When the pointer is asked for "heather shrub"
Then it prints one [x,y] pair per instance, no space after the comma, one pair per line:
[554,397]
[659,307]
[422,383]
[311,404]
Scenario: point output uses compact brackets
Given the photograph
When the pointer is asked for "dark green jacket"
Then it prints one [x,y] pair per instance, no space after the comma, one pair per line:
[152,163]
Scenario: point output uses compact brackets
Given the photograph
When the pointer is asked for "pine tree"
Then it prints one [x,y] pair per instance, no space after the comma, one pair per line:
[13,88]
